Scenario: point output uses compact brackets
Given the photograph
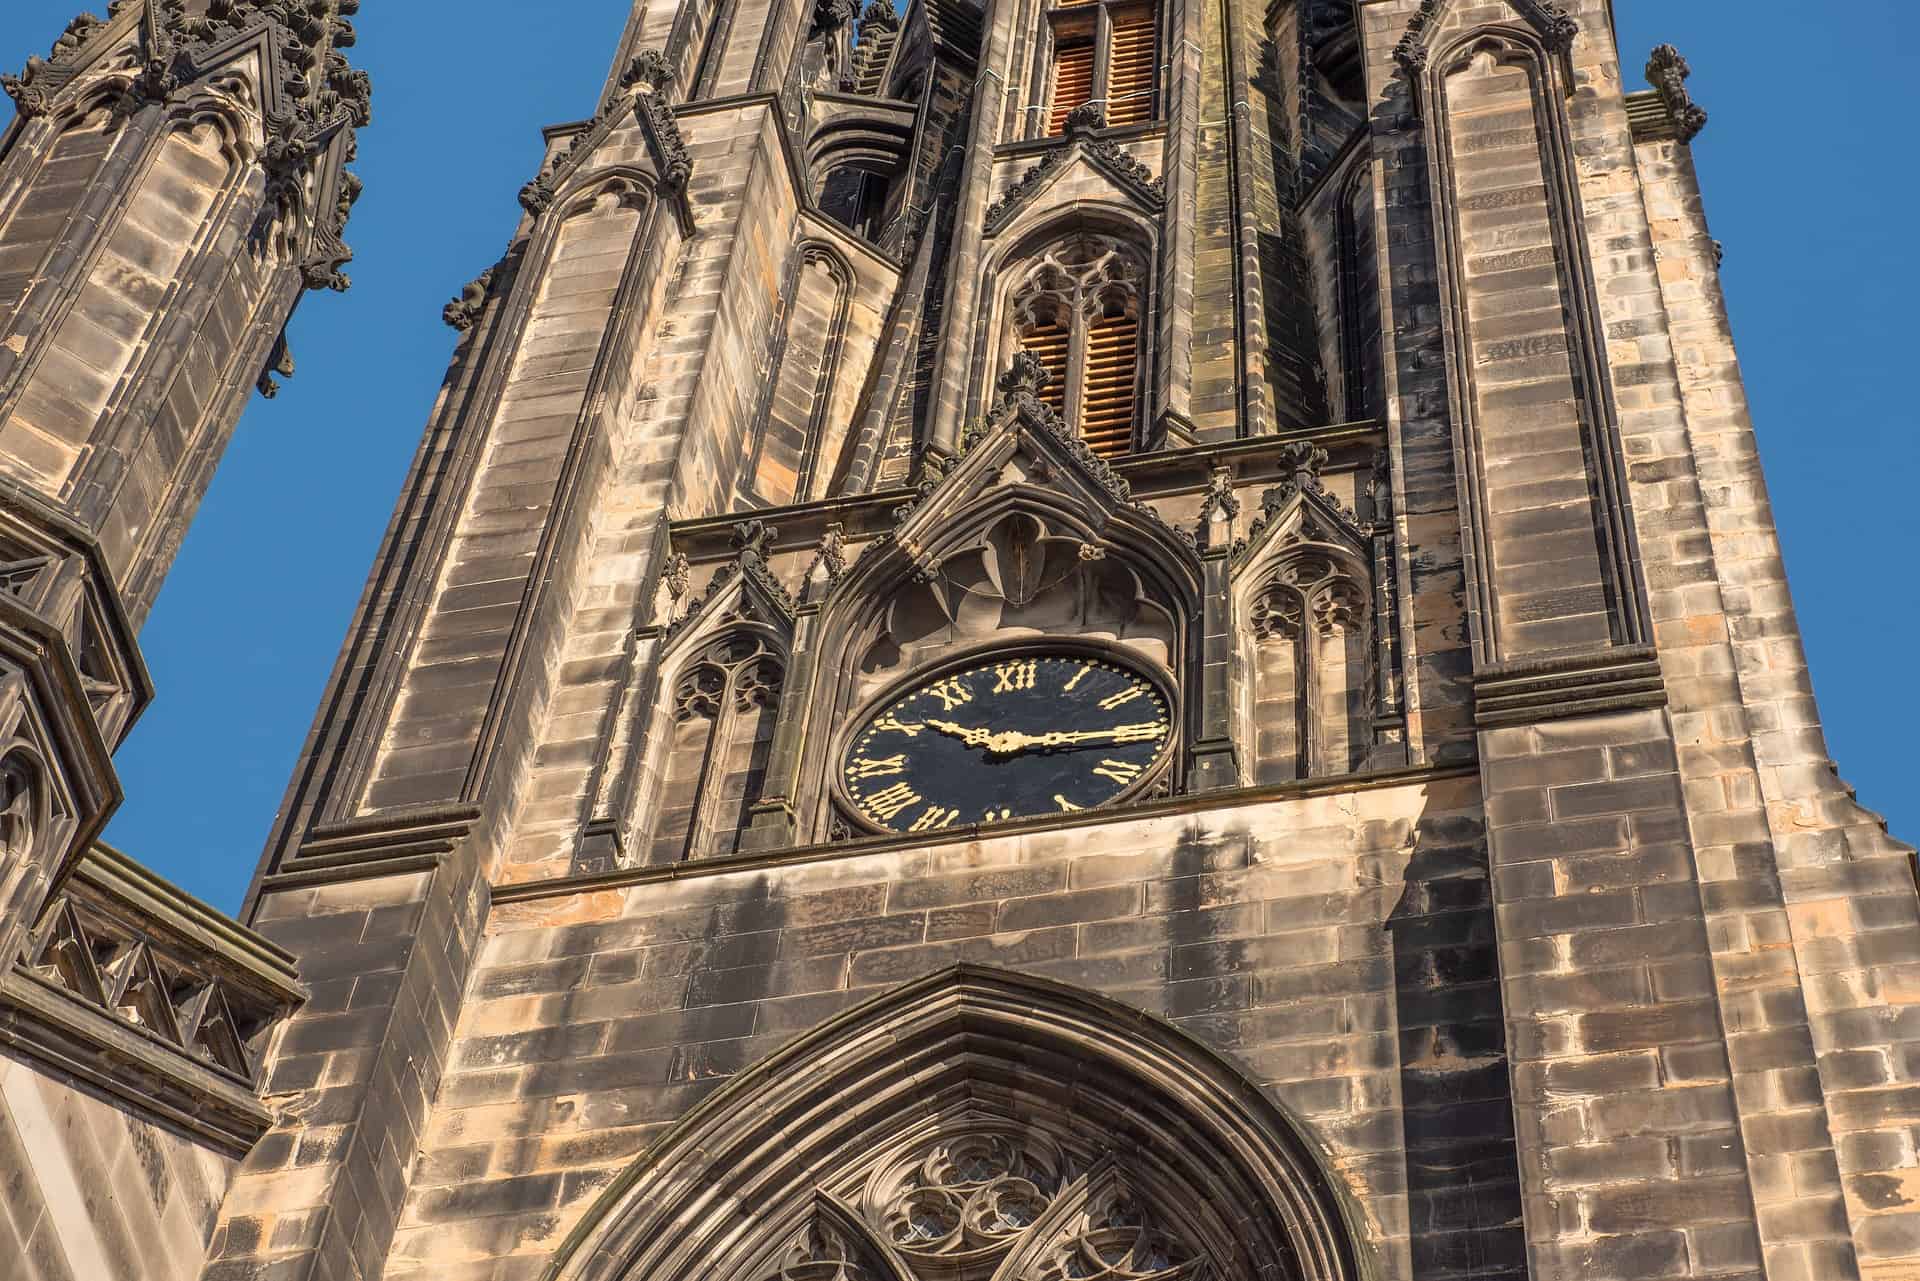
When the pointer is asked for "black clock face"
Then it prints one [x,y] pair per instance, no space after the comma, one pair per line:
[1007,738]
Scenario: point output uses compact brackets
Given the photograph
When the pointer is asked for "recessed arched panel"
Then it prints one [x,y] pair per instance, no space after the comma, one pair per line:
[977,1126]
[793,428]
[1550,543]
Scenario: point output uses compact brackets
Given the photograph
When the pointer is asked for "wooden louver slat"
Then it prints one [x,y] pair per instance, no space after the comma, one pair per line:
[1049,344]
[1130,67]
[1107,401]
[1072,84]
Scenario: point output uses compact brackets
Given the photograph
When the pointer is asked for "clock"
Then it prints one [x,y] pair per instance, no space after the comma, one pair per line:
[1007,736]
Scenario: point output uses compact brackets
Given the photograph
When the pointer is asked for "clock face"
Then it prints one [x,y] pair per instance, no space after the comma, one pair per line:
[1007,737]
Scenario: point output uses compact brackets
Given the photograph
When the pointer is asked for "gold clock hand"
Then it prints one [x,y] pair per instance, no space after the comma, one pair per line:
[971,737]
[1120,734]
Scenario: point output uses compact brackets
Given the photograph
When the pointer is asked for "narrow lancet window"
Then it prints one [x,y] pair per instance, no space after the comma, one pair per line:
[715,762]
[1078,311]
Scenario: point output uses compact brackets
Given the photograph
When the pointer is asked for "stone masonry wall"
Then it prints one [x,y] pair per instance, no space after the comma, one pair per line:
[1337,947]
[88,1191]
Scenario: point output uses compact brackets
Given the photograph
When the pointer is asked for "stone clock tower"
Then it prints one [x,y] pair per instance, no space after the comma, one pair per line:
[1072,639]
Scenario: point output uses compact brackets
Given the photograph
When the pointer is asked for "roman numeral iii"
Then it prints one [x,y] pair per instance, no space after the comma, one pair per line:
[1122,772]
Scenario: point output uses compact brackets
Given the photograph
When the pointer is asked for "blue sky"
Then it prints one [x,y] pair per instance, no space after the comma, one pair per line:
[1812,206]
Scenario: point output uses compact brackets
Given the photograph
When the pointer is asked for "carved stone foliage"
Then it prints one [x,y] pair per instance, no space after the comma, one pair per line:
[765,599]
[643,90]
[1104,154]
[34,88]
[1557,30]
[314,99]
[463,313]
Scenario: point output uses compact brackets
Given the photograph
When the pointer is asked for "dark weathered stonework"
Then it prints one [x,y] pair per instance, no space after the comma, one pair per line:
[1489,908]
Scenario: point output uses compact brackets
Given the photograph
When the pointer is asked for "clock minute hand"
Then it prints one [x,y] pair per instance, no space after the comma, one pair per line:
[1119,733]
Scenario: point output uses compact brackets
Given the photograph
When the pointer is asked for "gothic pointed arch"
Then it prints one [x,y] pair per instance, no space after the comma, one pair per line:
[794,427]
[1305,597]
[723,673]
[1028,535]
[1076,289]
[980,1125]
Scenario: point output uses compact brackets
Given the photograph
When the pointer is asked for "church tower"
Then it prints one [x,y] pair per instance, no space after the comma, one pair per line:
[173,181]
[1032,639]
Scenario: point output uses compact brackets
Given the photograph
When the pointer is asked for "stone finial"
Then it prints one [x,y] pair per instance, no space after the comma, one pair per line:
[1217,511]
[1301,464]
[752,538]
[1085,118]
[649,70]
[879,16]
[1667,72]
[1025,376]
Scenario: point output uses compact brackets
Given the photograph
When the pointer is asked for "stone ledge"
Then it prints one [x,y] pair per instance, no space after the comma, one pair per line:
[832,851]
[1554,689]
[384,845]
[1648,118]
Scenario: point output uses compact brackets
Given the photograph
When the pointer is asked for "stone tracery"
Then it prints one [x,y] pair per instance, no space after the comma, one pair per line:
[988,1201]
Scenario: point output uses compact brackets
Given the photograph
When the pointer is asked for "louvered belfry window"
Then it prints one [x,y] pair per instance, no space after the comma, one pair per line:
[1103,53]
[1078,308]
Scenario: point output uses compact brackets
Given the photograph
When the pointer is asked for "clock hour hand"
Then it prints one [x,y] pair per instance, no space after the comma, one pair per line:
[971,737]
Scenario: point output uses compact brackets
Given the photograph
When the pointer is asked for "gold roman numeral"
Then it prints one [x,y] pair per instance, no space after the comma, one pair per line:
[892,721]
[1066,806]
[1127,695]
[884,805]
[876,766]
[1078,676]
[1144,732]
[1122,772]
[951,692]
[935,817]
[1013,676]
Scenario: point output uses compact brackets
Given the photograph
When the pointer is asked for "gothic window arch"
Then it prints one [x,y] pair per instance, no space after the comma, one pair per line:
[720,714]
[974,1125]
[798,393]
[1312,668]
[1100,54]
[1080,305]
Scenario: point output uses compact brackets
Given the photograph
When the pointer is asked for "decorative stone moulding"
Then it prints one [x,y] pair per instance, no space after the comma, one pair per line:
[139,991]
